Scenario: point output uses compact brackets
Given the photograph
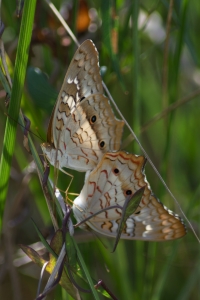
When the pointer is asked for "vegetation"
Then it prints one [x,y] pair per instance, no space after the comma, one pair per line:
[149,54]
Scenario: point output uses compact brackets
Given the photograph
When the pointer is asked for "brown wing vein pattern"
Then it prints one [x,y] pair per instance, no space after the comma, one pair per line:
[107,185]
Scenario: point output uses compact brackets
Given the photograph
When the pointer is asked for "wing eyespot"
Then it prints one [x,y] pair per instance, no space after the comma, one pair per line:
[93,119]
[102,144]
[116,171]
[128,192]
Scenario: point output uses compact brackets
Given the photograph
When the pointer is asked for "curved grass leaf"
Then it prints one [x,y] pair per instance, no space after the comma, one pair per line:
[41,91]
[130,207]
[15,100]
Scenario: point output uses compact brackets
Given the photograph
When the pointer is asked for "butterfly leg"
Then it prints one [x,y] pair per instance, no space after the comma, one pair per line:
[72,177]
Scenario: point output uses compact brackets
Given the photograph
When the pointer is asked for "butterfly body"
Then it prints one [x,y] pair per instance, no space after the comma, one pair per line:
[83,125]
[117,176]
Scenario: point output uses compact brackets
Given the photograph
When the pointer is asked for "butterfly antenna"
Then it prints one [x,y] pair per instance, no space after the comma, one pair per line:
[26,127]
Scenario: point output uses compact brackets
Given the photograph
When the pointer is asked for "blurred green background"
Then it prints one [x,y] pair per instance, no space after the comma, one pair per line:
[150,54]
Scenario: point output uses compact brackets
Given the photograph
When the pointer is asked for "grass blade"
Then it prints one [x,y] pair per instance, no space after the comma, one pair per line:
[14,106]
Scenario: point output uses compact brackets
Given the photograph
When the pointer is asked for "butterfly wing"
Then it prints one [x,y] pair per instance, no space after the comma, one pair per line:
[83,125]
[90,130]
[81,80]
[118,175]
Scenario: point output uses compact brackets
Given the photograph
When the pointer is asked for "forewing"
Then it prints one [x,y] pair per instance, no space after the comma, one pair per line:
[82,79]
[107,128]
[88,131]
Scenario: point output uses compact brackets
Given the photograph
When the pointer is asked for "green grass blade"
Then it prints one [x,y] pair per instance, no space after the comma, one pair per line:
[14,106]
[130,207]
[138,247]
[107,29]
[136,102]
[43,240]
[163,275]
[190,284]
[85,270]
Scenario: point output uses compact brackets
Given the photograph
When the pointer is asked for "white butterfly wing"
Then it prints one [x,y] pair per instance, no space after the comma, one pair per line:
[83,125]
[117,175]
[81,80]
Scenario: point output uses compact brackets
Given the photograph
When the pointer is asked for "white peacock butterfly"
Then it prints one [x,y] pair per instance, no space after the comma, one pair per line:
[117,176]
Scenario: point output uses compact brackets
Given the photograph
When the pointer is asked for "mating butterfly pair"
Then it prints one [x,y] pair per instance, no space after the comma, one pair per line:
[84,135]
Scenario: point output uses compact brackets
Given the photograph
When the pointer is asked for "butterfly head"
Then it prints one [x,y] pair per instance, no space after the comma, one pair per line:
[53,155]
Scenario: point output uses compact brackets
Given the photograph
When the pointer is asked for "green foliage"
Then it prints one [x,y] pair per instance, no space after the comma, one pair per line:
[145,76]
[15,100]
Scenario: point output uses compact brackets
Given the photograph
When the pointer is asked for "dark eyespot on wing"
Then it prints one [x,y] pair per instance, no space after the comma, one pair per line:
[128,192]
[102,144]
[116,171]
[93,119]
